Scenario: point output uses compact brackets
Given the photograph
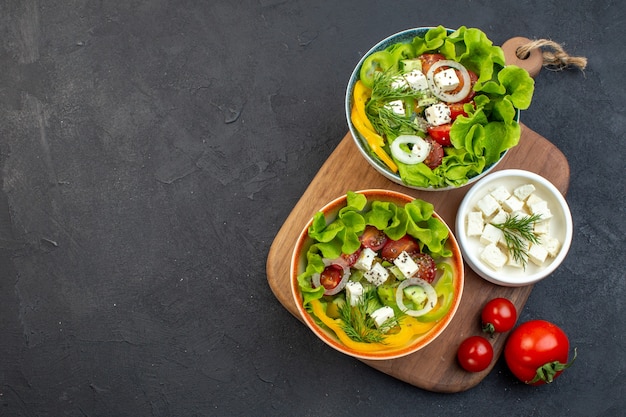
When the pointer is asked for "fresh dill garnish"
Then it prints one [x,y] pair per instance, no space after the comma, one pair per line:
[518,233]
[359,325]
[382,117]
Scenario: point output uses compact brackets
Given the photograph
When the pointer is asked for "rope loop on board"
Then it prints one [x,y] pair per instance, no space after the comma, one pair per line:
[554,56]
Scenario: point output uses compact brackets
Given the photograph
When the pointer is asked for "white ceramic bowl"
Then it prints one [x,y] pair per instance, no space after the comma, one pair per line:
[405,36]
[560,228]
[298,265]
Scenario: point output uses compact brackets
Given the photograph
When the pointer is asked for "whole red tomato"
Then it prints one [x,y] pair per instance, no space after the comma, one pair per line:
[537,351]
[475,354]
[498,315]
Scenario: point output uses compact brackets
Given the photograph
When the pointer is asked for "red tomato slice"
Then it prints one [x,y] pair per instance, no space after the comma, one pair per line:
[330,277]
[456,110]
[373,238]
[441,133]
[427,266]
[393,248]
[434,158]
[428,60]
[352,258]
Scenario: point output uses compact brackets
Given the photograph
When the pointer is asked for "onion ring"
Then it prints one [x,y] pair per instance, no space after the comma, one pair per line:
[442,95]
[315,278]
[431,295]
[419,152]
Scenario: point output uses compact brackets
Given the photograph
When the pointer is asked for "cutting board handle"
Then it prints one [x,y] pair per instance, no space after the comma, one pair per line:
[531,61]
[530,56]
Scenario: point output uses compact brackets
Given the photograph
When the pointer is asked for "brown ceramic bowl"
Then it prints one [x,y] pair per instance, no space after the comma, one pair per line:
[417,342]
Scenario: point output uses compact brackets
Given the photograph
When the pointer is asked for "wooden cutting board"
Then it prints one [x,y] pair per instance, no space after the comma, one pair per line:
[433,368]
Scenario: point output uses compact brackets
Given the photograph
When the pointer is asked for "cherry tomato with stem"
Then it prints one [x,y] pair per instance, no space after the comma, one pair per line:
[537,352]
[475,354]
[498,315]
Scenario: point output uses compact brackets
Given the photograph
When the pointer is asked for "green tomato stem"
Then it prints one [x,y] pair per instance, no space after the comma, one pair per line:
[548,372]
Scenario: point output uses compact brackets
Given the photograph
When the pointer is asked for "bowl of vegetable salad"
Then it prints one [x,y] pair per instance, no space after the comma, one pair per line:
[514,228]
[434,108]
[377,274]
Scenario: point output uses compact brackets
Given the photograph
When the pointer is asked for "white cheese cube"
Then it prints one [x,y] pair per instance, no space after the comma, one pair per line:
[437,114]
[524,191]
[520,215]
[396,106]
[488,205]
[493,256]
[405,264]
[399,82]
[377,275]
[541,208]
[541,228]
[500,193]
[446,80]
[364,262]
[513,262]
[491,235]
[500,217]
[381,315]
[537,254]
[552,245]
[417,80]
[475,223]
[531,199]
[513,204]
[354,292]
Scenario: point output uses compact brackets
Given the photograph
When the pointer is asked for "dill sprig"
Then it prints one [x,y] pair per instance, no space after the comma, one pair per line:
[385,120]
[518,233]
[358,324]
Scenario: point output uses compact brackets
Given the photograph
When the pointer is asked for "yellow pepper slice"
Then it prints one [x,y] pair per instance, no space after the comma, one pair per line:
[374,140]
[409,328]
[364,126]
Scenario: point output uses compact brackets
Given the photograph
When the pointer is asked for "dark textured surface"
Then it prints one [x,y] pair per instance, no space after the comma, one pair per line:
[150,151]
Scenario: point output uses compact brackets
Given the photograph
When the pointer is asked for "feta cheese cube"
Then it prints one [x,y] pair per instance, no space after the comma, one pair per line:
[475,223]
[491,235]
[493,256]
[399,82]
[396,106]
[537,254]
[381,315]
[541,228]
[377,275]
[513,262]
[513,204]
[364,262]
[541,208]
[438,114]
[524,191]
[499,218]
[405,264]
[354,292]
[500,193]
[417,80]
[531,199]
[446,80]
[488,205]
[552,245]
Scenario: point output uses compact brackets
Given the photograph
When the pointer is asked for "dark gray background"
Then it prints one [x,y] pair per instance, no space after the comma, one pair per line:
[150,151]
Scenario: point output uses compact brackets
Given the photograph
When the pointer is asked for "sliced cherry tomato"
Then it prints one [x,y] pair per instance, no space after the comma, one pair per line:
[427,266]
[393,248]
[330,277]
[441,133]
[429,59]
[456,110]
[352,258]
[536,352]
[498,315]
[434,158]
[373,238]
[475,354]
[473,78]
